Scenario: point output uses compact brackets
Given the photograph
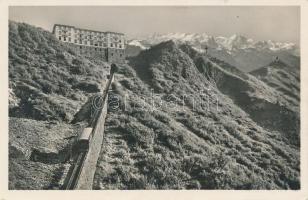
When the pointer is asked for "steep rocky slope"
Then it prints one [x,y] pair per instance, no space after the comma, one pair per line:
[180,120]
[48,84]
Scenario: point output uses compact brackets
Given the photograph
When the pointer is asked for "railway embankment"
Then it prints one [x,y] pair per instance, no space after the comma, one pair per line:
[82,172]
[89,166]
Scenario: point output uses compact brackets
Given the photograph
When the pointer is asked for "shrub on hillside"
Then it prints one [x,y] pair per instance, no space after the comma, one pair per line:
[139,134]
[210,172]
[126,71]
[42,63]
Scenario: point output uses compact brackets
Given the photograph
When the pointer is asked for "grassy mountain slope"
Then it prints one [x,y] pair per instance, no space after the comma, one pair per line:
[48,84]
[48,79]
[252,60]
[283,78]
[262,102]
[184,121]
[177,128]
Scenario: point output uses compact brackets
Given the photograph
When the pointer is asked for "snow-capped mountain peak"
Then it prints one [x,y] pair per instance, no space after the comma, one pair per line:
[137,43]
[244,53]
[200,40]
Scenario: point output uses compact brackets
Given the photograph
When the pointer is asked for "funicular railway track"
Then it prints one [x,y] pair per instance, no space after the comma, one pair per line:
[72,181]
[74,174]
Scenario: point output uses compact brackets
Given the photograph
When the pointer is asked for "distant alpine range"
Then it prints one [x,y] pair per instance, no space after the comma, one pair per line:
[245,53]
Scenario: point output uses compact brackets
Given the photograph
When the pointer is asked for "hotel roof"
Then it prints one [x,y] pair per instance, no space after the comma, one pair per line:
[53,30]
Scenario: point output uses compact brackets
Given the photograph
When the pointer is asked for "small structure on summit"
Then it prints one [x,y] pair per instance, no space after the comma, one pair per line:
[109,46]
[206,49]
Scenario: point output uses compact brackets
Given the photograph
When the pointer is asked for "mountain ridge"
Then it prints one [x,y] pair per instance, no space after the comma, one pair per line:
[233,42]
[246,54]
[183,119]
[223,139]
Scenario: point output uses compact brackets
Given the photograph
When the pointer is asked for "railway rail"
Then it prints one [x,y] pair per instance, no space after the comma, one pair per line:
[74,174]
[73,179]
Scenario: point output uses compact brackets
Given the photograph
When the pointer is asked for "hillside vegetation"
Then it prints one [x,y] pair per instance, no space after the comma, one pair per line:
[282,77]
[262,102]
[48,83]
[177,119]
[48,80]
[161,135]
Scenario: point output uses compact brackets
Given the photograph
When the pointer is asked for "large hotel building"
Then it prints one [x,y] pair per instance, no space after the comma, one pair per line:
[109,46]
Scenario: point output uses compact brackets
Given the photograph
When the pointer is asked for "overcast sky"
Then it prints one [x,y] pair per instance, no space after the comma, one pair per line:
[259,23]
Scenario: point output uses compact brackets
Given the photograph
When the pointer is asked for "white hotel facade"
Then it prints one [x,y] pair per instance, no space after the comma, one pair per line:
[107,45]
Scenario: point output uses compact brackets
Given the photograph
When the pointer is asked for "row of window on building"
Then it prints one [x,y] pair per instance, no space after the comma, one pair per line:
[65,29]
[90,35]
[99,49]
[80,36]
[100,44]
